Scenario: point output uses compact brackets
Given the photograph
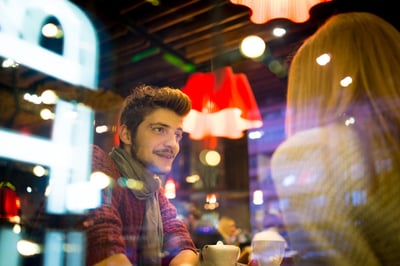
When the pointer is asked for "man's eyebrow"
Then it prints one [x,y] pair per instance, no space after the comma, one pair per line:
[165,125]
[159,124]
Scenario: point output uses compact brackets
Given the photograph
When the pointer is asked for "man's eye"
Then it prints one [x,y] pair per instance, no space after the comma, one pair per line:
[159,129]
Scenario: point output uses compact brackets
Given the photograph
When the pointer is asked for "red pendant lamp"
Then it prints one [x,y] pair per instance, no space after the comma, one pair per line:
[223,105]
[9,203]
[266,10]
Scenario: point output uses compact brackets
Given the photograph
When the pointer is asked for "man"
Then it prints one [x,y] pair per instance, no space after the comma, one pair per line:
[137,225]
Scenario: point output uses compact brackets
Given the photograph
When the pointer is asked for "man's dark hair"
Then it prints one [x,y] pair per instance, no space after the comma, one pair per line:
[144,99]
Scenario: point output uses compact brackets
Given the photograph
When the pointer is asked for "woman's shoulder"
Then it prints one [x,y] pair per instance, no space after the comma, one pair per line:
[334,148]
[334,136]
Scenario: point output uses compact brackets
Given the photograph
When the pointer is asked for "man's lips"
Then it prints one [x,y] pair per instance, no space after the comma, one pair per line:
[168,154]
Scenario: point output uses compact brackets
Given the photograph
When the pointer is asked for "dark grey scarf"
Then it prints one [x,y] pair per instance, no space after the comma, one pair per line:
[151,238]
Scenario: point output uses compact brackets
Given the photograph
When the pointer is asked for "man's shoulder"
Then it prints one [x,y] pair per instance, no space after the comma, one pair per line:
[102,162]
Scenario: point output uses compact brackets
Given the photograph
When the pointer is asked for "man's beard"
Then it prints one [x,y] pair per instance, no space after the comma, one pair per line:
[149,167]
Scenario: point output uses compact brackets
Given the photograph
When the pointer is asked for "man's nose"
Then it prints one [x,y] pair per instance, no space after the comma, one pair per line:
[172,140]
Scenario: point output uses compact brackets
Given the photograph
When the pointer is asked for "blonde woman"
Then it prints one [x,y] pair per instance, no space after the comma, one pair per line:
[338,172]
[228,230]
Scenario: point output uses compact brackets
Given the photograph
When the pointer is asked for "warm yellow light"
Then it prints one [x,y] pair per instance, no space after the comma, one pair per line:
[101,129]
[211,202]
[100,179]
[210,157]
[46,114]
[39,170]
[213,158]
[279,32]
[192,178]
[323,59]
[345,82]
[211,198]
[9,63]
[49,97]
[51,30]
[252,46]
[134,184]
[17,228]
[28,248]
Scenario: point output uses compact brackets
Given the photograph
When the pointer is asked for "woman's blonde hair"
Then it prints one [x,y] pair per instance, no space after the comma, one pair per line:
[361,46]
[359,84]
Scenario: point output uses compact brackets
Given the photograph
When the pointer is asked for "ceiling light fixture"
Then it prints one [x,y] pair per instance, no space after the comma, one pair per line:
[266,10]
[223,105]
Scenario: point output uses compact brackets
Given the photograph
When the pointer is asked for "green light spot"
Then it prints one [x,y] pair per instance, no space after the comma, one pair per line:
[146,53]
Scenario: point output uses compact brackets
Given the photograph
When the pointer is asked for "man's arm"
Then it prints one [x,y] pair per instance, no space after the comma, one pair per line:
[185,258]
[103,225]
[115,260]
[178,245]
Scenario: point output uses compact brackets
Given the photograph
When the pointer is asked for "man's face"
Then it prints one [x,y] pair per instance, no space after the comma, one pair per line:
[157,140]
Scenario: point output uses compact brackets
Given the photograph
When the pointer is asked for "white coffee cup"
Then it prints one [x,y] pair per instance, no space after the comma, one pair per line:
[220,254]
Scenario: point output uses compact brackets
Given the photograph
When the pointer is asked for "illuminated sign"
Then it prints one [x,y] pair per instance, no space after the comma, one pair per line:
[20,31]
[68,152]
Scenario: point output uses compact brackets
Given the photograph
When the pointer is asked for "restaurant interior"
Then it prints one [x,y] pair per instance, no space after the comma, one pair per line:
[168,43]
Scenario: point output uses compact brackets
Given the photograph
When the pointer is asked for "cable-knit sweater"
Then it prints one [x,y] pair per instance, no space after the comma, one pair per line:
[114,227]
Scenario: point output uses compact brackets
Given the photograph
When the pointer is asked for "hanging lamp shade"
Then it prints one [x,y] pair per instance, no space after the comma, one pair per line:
[266,10]
[223,105]
[9,203]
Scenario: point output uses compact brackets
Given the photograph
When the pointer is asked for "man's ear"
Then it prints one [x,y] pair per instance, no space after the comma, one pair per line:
[125,134]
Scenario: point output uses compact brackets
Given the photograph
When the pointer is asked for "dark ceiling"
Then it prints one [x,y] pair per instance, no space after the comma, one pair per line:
[205,34]
[163,44]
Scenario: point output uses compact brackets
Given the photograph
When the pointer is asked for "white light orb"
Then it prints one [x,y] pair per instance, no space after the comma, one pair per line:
[213,158]
[49,97]
[279,32]
[252,46]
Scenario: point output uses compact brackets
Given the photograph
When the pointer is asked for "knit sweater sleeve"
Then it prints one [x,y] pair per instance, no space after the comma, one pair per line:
[103,225]
[176,234]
